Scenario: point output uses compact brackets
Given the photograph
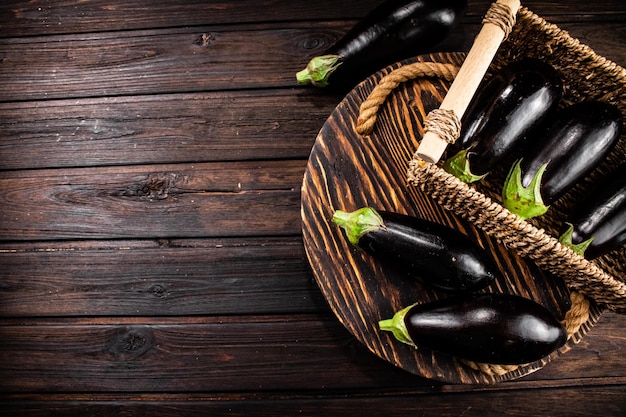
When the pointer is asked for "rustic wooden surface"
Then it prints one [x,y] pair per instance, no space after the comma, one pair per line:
[151,252]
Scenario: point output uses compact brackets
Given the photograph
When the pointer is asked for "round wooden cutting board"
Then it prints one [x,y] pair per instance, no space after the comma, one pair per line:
[347,171]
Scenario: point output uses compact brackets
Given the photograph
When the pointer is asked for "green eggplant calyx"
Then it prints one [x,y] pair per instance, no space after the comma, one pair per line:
[459,166]
[526,202]
[566,240]
[397,326]
[359,222]
[319,70]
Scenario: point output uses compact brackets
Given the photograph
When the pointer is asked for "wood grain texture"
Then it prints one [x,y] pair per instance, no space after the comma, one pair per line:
[347,171]
[37,17]
[175,128]
[185,59]
[20,18]
[161,277]
[221,199]
[602,401]
[131,282]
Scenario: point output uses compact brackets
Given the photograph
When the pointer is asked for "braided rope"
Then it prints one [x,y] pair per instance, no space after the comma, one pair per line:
[444,123]
[500,15]
[368,111]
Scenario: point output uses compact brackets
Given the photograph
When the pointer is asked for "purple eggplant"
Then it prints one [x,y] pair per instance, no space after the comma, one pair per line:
[598,225]
[438,256]
[574,144]
[498,329]
[395,30]
[503,115]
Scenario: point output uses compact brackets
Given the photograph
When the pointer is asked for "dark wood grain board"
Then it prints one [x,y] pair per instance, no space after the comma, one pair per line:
[555,402]
[347,171]
[175,128]
[152,200]
[34,17]
[157,277]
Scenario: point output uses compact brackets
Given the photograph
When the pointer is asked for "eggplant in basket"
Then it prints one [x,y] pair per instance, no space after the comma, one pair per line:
[574,144]
[502,117]
[598,225]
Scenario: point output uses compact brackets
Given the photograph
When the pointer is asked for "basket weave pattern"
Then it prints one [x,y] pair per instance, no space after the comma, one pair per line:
[586,75]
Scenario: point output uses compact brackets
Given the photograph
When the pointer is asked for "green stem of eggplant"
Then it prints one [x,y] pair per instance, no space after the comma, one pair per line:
[526,202]
[358,223]
[566,240]
[319,70]
[459,166]
[397,326]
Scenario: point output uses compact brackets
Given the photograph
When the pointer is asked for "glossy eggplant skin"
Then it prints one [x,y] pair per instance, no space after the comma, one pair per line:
[503,115]
[395,30]
[576,142]
[437,256]
[601,217]
[498,329]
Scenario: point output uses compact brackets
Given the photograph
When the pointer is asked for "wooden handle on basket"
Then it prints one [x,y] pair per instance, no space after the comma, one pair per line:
[471,73]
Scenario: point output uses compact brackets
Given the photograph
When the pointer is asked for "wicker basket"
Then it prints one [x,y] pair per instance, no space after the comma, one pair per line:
[586,76]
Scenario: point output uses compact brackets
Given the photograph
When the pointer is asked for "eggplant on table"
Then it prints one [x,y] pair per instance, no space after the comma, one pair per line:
[597,225]
[395,30]
[438,256]
[574,144]
[502,116]
[500,329]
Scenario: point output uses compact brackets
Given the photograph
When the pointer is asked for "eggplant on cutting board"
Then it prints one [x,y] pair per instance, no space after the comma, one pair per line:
[496,328]
[436,255]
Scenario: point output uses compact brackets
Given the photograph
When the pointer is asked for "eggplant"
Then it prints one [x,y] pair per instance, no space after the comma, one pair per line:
[435,255]
[598,224]
[574,144]
[394,30]
[502,117]
[500,329]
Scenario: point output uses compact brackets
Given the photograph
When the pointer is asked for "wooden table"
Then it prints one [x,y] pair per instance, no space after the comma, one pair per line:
[151,157]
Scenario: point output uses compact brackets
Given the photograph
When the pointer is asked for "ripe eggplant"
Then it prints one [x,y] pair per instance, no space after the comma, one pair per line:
[395,30]
[498,329]
[598,225]
[438,256]
[573,145]
[504,113]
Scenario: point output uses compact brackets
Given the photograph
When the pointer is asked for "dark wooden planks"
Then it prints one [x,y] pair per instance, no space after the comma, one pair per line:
[242,353]
[27,18]
[203,200]
[219,126]
[203,354]
[150,62]
[157,278]
[591,401]
[23,18]
[188,59]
